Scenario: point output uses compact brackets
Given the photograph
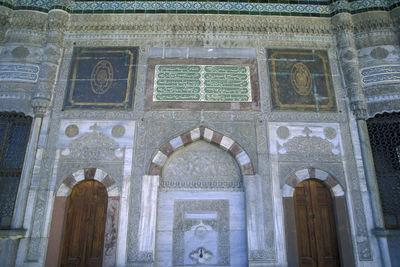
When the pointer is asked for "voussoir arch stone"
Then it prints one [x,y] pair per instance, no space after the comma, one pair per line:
[88,174]
[311,173]
[204,133]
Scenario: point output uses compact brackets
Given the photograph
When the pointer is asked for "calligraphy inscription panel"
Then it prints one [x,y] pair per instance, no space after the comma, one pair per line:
[301,80]
[380,74]
[101,78]
[209,83]
[202,84]
[13,72]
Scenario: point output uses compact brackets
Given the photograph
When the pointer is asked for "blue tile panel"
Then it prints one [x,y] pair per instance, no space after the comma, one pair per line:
[101,78]
[315,7]
[380,75]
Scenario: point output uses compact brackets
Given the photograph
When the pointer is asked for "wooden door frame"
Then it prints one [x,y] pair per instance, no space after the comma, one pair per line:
[339,208]
[54,248]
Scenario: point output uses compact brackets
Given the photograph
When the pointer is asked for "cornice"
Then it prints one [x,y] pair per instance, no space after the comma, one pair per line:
[28,20]
[197,24]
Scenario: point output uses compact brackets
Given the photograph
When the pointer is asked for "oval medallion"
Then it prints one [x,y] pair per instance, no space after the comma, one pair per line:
[102,77]
[301,79]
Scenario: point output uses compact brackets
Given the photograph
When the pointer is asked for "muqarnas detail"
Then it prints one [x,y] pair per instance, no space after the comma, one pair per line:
[102,78]
[301,80]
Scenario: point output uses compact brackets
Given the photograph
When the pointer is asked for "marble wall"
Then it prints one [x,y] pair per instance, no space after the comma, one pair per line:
[197,183]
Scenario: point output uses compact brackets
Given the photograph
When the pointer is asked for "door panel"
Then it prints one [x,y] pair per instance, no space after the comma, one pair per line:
[315,225]
[85,225]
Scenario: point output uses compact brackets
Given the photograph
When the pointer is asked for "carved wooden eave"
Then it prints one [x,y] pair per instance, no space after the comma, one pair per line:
[198,24]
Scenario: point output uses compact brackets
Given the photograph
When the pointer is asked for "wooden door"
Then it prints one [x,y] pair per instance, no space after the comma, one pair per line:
[315,225]
[85,225]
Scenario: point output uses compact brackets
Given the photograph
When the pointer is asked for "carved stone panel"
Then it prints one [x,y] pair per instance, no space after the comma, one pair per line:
[94,140]
[306,142]
[201,233]
[204,228]
[201,165]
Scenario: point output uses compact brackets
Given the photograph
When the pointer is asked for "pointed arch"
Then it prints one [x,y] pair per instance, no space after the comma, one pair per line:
[88,174]
[311,173]
[339,208]
[213,137]
[57,227]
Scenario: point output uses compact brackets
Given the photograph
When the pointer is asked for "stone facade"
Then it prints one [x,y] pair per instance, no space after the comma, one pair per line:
[191,178]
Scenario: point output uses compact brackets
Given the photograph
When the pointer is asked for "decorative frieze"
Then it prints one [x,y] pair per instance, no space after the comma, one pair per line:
[195,23]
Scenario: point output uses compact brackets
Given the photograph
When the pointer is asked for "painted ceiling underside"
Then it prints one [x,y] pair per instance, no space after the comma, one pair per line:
[317,8]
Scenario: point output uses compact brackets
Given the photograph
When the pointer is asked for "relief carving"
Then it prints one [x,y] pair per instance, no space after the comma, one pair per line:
[310,147]
[201,165]
[201,232]
[93,146]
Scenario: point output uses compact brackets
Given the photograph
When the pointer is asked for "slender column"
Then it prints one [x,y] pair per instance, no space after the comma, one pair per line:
[124,209]
[348,56]
[30,156]
[254,216]
[148,215]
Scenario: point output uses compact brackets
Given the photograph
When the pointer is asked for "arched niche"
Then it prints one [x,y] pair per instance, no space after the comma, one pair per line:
[59,214]
[340,210]
[201,187]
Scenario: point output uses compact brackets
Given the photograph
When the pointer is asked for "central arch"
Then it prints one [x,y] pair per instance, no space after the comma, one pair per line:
[201,215]
[201,133]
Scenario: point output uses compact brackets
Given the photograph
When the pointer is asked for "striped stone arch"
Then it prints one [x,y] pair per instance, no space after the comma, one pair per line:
[88,174]
[311,173]
[226,143]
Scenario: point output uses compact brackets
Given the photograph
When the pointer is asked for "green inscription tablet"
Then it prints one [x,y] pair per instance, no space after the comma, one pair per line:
[208,83]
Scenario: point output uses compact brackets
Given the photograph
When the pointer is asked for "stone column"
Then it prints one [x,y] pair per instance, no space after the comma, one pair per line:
[254,217]
[56,22]
[343,27]
[148,217]
[32,248]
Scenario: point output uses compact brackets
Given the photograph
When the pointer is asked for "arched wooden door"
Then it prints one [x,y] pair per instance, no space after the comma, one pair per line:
[315,225]
[85,225]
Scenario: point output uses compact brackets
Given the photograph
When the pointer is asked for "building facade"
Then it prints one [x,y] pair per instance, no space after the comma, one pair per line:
[189,133]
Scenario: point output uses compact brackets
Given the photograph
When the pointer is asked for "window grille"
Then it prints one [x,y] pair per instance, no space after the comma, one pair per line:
[14,135]
[384,132]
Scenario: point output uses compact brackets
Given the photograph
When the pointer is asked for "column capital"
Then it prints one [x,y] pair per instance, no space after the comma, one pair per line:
[40,106]
[57,20]
[359,109]
[342,23]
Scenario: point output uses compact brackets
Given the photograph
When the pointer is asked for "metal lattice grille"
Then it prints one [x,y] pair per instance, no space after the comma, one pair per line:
[14,135]
[384,132]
